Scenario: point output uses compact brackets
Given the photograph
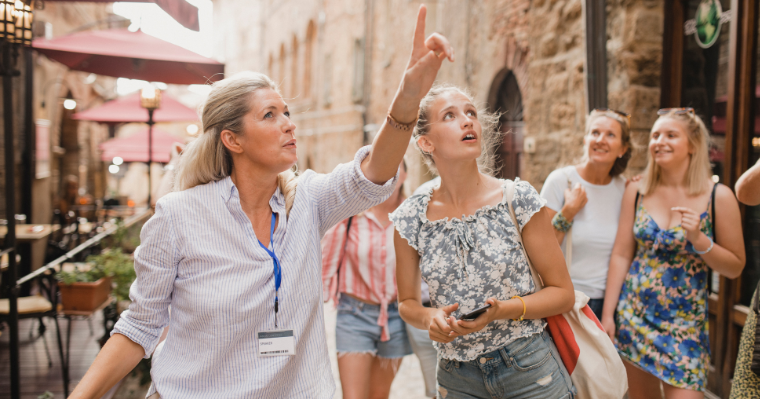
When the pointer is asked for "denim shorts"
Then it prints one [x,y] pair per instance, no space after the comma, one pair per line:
[356,330]
[527,368]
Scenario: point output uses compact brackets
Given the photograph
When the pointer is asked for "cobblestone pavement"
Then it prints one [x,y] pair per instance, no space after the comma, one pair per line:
[408,383]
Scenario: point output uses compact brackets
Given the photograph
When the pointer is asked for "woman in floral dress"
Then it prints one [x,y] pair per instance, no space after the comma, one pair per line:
[461,239]
[660,295]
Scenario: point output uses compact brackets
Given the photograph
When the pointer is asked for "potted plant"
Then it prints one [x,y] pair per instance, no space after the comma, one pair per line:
[85,290]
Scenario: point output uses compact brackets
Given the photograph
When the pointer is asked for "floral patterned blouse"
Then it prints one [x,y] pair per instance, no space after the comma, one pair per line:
[469,260]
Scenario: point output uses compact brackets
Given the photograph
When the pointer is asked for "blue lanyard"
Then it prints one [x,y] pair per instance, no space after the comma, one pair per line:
[277,268]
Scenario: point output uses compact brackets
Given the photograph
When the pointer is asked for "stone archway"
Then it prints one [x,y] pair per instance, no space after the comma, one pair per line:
[506,98]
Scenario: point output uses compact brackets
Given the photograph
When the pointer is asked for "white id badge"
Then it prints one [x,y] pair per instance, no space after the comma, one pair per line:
[277,343]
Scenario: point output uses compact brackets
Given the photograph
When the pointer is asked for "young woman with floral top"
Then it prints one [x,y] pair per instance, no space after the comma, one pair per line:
[667,238]
[461,239]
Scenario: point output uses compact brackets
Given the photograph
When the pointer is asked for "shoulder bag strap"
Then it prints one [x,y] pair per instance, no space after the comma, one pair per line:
[636,205]
[569,234]
[712,211]
[510,194]
[345,244]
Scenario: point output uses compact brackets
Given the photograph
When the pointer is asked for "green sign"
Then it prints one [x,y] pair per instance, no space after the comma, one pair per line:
[708,22]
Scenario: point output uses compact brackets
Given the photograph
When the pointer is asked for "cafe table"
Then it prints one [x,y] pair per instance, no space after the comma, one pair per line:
[30,232]
[27,235]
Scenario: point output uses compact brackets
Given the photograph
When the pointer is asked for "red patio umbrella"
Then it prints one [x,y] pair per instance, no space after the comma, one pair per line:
[135,147]
[183,12]
[134,55]
[127,109]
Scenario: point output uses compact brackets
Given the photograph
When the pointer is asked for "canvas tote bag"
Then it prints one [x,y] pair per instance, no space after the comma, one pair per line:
[587,352]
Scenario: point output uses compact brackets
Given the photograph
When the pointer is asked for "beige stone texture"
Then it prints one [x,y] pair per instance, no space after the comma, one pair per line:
[541,41]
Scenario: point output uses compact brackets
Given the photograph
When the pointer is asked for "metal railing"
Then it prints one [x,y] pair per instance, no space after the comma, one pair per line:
[81,247]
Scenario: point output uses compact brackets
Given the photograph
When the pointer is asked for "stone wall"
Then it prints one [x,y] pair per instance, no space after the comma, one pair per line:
[556,106]
[634,51]
[541,41]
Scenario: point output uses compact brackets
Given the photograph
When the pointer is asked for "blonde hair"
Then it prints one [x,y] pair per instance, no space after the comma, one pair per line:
[489,122]
[625,137]
[698,175]
[206,159]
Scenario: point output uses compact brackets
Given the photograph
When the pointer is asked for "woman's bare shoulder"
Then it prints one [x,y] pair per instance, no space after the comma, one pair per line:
[724,195]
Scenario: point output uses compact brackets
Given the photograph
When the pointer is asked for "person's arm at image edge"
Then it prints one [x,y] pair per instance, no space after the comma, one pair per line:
[748,186]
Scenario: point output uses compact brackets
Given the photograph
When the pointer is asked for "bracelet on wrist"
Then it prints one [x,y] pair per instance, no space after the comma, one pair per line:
[407,127]
[522,316]
[560,222]
[712,243]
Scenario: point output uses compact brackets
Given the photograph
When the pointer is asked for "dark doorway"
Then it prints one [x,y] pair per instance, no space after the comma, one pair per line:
[506,99]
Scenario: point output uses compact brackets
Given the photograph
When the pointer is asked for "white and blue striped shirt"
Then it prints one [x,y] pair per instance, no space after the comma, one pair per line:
[200,255]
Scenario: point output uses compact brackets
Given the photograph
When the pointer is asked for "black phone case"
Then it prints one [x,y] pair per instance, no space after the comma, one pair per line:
[475,313]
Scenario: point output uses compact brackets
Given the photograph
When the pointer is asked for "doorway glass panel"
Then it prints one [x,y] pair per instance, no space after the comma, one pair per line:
[705,76]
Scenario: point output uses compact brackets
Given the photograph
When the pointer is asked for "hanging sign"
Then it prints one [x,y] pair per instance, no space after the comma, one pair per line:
[707,23]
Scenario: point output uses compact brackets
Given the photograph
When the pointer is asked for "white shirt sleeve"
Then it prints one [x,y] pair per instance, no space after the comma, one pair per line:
[553,190]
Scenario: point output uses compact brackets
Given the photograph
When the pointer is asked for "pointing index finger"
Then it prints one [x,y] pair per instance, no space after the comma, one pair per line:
[419,28]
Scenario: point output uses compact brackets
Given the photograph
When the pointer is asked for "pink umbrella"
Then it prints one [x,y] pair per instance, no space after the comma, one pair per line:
[127,109]
[135,147]
[134,55]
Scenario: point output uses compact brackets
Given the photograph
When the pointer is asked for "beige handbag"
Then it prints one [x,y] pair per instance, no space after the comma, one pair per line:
[587,352]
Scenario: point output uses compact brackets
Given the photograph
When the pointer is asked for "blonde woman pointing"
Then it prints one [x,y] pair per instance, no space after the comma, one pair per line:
[236,250]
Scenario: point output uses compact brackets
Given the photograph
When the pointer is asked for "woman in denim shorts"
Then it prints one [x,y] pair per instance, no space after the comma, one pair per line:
[461,238]
[359,269]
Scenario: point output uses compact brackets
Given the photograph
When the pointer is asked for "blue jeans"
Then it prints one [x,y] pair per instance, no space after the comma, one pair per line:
[596,306]
[528,368]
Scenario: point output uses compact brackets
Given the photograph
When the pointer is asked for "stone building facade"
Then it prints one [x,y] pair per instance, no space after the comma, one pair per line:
[340,62]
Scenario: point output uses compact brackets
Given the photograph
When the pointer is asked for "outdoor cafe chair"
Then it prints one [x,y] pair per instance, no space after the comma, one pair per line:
[38,307]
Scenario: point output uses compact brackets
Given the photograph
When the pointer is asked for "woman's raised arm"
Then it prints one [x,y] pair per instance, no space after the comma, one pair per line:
[391,143]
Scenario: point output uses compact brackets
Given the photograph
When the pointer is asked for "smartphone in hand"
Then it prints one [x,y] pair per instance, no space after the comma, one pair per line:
[475,313]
